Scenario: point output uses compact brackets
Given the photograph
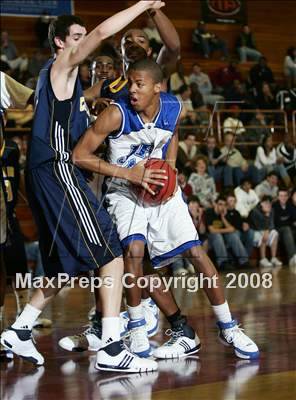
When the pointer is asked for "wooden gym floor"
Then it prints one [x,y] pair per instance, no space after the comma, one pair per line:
[268,316]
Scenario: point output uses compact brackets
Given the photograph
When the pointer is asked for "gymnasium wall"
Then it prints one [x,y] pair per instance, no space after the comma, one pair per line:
[273,22]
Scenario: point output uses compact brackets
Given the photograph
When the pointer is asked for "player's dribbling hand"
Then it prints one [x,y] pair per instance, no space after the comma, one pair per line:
[156,4]
[139,175]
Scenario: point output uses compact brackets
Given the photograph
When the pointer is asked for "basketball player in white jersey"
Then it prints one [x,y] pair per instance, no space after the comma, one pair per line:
[138,127]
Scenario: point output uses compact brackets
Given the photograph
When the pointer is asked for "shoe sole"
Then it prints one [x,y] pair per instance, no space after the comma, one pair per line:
[255,356]
[131,370]
[9,346]
[189,353]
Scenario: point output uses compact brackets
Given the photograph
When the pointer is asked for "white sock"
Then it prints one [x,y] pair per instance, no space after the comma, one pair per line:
[27,318]
[222,312]
[135,312]
[110,330]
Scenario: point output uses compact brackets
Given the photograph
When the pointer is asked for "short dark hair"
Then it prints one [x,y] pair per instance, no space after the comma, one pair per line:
[271,173]
[193,199]
[60,27]
[266,198]
[283,189]
[221,197]
[148,65]
[244,180]
[183,89]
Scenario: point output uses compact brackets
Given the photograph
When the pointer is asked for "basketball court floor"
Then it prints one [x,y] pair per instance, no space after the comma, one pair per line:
[267,314]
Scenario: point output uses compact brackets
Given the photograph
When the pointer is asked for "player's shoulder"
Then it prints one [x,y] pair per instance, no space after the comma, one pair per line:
[170,103]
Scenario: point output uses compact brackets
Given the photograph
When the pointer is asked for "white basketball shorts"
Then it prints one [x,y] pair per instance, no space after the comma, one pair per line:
[167,229]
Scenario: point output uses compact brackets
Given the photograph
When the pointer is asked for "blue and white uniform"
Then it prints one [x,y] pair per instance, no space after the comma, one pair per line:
[167,229]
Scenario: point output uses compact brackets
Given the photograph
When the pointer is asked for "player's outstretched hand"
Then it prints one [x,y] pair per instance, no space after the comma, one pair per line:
[156,4]
[139,175]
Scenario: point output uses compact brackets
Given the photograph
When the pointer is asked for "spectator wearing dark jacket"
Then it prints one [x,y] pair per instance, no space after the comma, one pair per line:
[207,42]
[283,217]
[260,73]
[224,77]
[246,46]
[262,222]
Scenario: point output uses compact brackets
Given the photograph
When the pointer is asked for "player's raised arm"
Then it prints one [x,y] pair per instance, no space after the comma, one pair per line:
[170,50]
[109,27]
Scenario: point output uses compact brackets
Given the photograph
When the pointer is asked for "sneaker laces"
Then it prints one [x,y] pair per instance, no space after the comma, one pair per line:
[174,336]
[234,334]
[139,335]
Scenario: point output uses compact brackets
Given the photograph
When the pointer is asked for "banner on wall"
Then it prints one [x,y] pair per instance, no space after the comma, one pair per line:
[224,11]
[35,8]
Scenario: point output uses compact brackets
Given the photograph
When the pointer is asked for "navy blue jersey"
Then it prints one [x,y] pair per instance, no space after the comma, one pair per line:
[58,125]
[114,89]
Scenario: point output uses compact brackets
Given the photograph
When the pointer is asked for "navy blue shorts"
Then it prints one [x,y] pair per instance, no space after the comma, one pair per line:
[75,231]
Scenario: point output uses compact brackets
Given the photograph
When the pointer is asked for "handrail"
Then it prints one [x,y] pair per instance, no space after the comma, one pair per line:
[228,111]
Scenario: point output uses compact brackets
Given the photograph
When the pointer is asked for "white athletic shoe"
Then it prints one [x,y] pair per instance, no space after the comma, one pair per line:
[230,334]
[276,262]
[138,339]
[265,263]
[5,355]
[21,342]
[151,315]
[89,340]
[115,357]
[183,342]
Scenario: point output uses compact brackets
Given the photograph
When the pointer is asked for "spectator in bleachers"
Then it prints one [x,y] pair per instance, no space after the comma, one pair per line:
[178,78]
[84,75]
[41,29]
[265,99]
[223,237]
[207,42]
[204,85]
[259,127]
[224,77]
[286,152]
[241,225]
[267,160]
[232,124]
[237,92]
[188,115]
[36,62]
[196,97]
[202,184]
[152,33]
[234,159]
[217,167]
[260,73]
[268,187]
[262,222]
[283,220]
[290,67]
[184,185]
[9,54]
[246,198]
[187,151]
[246,46]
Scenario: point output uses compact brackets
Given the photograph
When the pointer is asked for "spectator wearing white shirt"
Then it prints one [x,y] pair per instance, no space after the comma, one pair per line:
[233,124]
[267,160]
[290,66]
[204,85]
[246,198]
[268,187]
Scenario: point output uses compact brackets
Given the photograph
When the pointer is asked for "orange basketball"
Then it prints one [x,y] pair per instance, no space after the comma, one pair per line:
[162,193]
